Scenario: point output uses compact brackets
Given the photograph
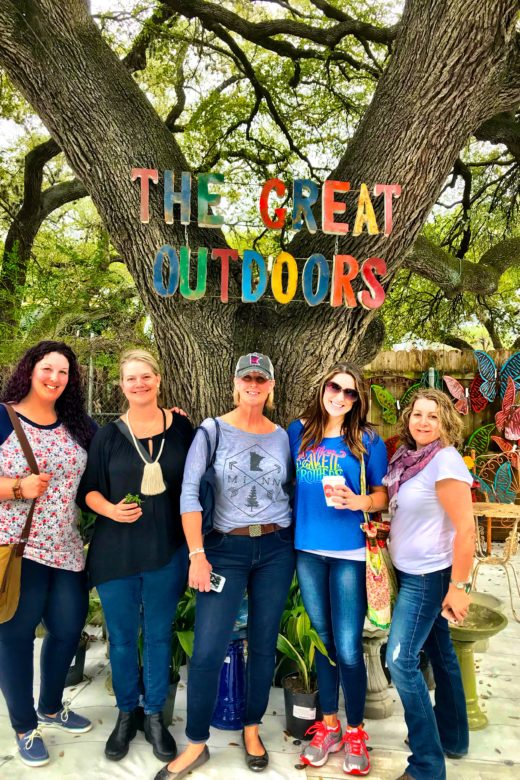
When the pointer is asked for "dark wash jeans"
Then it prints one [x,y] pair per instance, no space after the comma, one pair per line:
[417,623]
[59,599]
[148,599]
[265,566]
[334,595]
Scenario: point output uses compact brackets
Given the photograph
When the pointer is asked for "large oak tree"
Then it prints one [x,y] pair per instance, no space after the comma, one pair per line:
[453,70]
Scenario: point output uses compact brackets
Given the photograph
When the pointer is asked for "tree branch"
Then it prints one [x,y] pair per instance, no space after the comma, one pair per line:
[504,129]
[454,275]
[261,33]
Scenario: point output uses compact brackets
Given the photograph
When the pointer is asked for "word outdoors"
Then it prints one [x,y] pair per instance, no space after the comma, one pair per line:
[172,268]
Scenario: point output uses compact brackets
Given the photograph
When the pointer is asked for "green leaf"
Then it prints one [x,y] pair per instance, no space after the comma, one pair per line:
[480,439]
[405,400]
[387,402]
[186,639]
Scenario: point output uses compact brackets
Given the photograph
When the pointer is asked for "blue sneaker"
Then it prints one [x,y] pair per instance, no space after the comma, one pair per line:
[32,748]
[65,719]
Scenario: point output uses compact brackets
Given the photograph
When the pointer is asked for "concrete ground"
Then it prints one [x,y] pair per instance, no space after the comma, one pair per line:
[494,752]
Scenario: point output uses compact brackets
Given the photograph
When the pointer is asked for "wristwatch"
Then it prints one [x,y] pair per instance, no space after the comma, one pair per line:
[466,586]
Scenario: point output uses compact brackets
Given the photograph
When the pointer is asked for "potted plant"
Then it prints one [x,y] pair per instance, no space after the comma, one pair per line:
[299,641]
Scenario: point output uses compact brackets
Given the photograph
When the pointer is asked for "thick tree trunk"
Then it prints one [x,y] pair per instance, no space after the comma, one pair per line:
[447,75]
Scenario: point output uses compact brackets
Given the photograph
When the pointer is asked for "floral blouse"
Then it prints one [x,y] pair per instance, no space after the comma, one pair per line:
[54,539]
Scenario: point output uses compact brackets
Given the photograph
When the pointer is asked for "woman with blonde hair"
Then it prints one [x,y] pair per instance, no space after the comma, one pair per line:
[334,440]
[250,547]
[137,557]
[432,541]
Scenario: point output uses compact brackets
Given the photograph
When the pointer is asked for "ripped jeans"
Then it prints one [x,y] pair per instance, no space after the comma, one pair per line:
[417,624]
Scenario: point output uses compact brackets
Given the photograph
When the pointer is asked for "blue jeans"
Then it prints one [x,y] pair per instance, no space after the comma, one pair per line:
[59,599]
[417,623]
[148,599]
[265,566]
[334,595]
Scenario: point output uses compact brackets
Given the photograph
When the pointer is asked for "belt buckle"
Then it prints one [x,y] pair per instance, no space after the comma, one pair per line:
[255,530]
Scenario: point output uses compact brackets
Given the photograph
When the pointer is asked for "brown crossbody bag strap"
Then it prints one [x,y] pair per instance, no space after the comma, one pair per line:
[31,460]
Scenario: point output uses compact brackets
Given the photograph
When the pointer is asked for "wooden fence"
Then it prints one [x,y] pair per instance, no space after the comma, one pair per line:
[397,371]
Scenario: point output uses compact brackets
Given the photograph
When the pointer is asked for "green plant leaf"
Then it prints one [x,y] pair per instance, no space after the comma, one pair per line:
[387,402]
[480,439]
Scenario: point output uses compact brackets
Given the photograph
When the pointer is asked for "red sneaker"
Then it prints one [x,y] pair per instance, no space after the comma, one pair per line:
[356,761]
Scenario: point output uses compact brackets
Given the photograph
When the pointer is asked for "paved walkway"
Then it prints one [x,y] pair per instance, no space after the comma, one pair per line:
[494,752]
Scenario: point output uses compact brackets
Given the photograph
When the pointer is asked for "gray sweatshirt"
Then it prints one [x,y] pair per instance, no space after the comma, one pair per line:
[251,472]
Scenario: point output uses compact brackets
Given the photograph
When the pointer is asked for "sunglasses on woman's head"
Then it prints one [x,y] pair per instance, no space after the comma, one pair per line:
[348,392]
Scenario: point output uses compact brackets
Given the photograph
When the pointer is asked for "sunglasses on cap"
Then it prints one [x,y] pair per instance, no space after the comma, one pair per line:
[348,392]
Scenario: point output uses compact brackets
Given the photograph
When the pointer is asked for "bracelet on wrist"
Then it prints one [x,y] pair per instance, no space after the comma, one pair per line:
[196,551]
[17,489]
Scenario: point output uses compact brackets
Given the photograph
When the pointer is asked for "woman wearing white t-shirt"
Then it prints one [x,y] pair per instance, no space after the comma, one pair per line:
[432,542]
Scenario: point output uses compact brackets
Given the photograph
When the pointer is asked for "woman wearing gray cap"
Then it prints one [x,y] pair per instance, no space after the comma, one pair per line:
[251,546]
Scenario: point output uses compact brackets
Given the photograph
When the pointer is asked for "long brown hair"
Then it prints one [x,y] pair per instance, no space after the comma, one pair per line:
[450,421]
[355,421]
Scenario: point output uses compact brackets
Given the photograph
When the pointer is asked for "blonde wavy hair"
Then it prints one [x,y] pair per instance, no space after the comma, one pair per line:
[138,354]
[450,421]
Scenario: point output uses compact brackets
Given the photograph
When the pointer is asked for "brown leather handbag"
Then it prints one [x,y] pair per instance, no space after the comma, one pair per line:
[11,554]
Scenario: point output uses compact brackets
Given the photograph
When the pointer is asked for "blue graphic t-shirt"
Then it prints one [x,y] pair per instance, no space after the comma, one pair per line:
[318,526]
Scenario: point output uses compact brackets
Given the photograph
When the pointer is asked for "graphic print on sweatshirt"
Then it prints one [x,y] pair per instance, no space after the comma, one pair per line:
[252,480]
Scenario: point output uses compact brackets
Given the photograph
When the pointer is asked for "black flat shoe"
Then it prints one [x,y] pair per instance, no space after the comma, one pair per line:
[124,731]
[256,763]
[165,773]
[156,733]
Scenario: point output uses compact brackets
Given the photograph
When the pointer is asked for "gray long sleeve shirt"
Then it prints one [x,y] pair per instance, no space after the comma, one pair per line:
[251,472]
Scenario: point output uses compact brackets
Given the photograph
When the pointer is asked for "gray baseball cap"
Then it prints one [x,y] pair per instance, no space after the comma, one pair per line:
[256,363]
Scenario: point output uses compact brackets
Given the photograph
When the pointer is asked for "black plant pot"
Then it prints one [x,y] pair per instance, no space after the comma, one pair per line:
[301,709]
[75,673]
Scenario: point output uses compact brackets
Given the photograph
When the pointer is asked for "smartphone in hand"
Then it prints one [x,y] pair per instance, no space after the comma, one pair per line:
[450,617]
[217,581]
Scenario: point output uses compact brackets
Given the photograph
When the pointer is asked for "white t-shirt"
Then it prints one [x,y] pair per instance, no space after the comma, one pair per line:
[421,534]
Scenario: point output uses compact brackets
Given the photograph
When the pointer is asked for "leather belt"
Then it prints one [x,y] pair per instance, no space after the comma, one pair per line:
[258,529]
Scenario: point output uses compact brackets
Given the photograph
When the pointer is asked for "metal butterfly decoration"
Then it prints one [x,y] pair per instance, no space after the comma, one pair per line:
[494,379]
[508,418]
[390,405]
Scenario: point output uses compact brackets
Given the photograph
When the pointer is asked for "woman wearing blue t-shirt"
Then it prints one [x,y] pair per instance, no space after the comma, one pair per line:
[329,440]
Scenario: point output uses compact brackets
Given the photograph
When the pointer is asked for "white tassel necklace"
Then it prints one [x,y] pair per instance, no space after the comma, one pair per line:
[152,483]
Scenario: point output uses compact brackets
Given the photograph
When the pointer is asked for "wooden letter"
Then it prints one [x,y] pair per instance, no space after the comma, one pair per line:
[390,191]
[374,297]
[279,187]
[365,214]
[284,258]
[341,281]
[302,204]
[145,174]
[207,199]
[182,197]
[330,207]
[252,258]
[202,272]
[224,255]
[166,252]
[319,262]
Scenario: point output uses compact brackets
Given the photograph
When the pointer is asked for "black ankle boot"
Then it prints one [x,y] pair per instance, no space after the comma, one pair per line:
[123,733]
[163,744]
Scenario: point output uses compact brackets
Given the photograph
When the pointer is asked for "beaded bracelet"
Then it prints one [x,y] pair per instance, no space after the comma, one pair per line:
[196,551]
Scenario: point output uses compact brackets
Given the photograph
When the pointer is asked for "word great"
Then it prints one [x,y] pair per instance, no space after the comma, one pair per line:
[172,272]
[305,195]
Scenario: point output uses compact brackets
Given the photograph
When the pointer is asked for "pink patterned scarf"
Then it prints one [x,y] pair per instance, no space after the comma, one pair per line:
[404,465]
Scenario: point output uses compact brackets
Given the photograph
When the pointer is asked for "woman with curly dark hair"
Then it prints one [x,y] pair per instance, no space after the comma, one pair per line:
[45,392]
[334,447]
